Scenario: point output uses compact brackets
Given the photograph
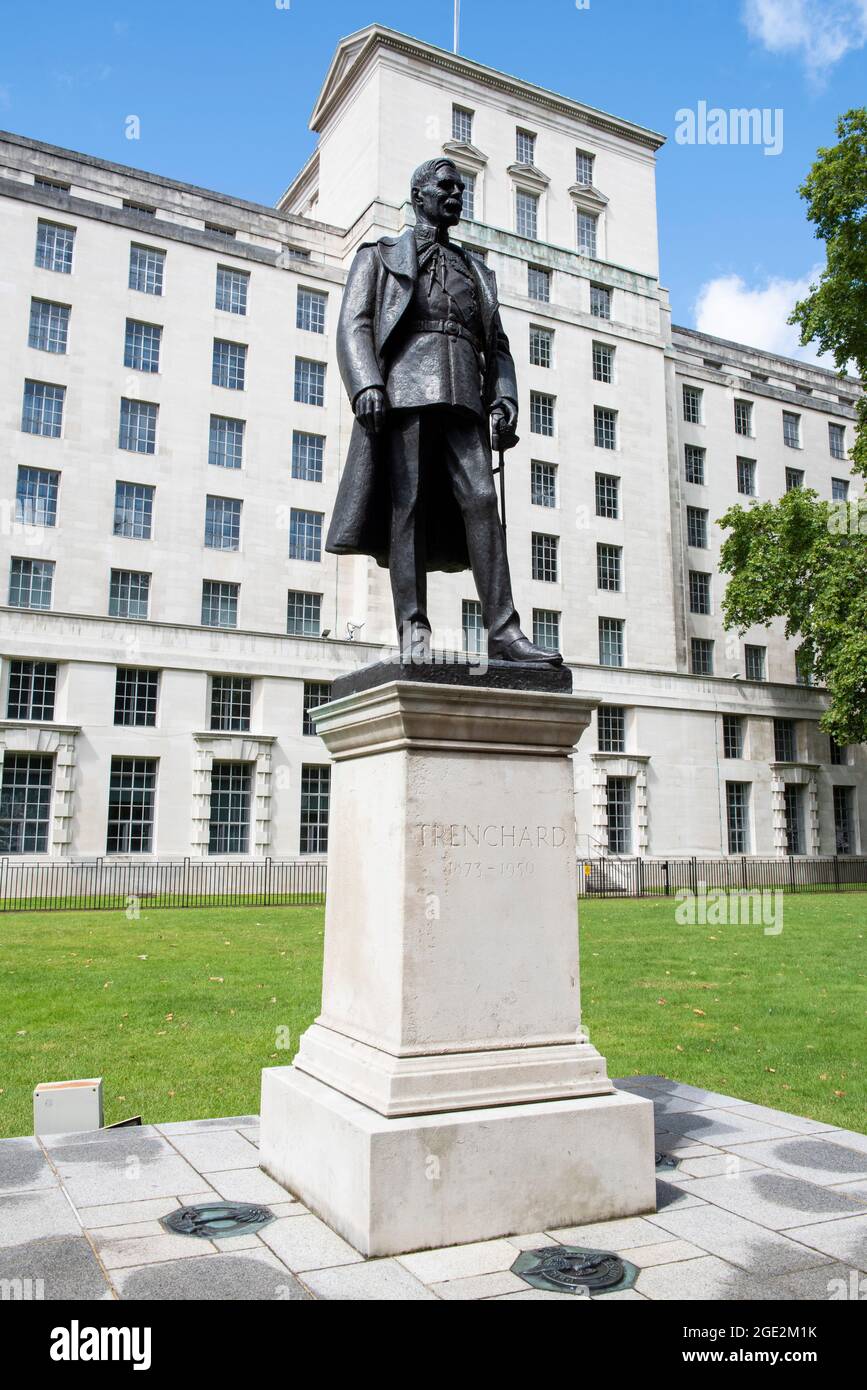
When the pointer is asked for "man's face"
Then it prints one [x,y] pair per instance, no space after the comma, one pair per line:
[441,199]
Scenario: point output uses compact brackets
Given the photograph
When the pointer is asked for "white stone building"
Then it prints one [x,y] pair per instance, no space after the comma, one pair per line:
[174,426]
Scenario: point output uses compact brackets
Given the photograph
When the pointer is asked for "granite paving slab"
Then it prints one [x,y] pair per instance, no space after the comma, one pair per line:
[708,1279]
[216,1150]
[305,1242]
[370,1282]
[29,1216]
[845,1239]
[809,1157]
[774,1199]
[738,1241]
[246,1185]
[52,1267]
[93,1175]
[24,1167]
[251,1275]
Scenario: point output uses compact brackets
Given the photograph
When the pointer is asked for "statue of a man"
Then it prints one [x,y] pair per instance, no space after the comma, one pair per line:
[428,370]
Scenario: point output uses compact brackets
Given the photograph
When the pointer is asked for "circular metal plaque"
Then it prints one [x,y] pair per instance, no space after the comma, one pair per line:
[212,1219]
[574,1269]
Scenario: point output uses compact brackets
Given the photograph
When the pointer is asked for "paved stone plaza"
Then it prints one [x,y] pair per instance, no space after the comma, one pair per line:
[763,1205]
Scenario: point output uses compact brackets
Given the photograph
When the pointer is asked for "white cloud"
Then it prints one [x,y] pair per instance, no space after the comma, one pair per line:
[820,32]
[728,307]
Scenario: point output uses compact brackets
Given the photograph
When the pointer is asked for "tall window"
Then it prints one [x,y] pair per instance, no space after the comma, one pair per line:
[308,453]
[611,643]
[584,168]
[838,753]
[43,409]
[701,654]
[696,527]
[791,430]
[785,745]
[25,803]
[618,796]
[747,477]
[525,147]
[316,693]
[232,289]
[128,594]
[226,442]
[462,125]
[49,326]
[315,795]
[539,283]
[541,413]
[135,696]
[303,614]
[147,268]
[607,495]
[138,426]
[743,417]
[693,463]
[526,214]
[738,816]
[839,489]
[30,583]
[309,382]
[141,350]
[231,703]
[603,362]
[32,690]
[546,629]
[471,625]
[587,226]
[305,535]
[611,724]
[131,799]
[223,523]
[600,302]
[544,557]
[543,484]
[794,478]
[692,404]
[310,310]
[54,245]
[837,440]
[229,366]
[469,211]
[699,592]
[541,346]
[804,672]
[36,496]
[608,567]
[229,827]
[793,812]
[133,510]
[604,427]
[754,662]
[219,603]
[733,736]
[844,820]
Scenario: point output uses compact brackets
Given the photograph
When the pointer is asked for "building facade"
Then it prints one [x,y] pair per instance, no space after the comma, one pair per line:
[174,427]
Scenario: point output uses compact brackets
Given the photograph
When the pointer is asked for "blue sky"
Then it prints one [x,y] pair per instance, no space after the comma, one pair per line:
[224,90]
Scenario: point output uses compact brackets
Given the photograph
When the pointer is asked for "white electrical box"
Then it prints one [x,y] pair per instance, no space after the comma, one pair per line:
[62,1107]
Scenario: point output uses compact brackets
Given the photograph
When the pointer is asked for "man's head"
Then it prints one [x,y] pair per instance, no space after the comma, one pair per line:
[437,193]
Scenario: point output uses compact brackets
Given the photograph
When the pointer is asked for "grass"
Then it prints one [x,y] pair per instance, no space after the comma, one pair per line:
[179,1011]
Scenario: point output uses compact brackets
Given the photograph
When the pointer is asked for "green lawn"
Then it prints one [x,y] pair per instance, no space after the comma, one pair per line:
[179,1011]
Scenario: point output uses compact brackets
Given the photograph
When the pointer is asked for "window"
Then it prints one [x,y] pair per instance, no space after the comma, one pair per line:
[231,702]
[135,696]
[223,523]
[541,413]
[607,495]
[804,674]
[308,453]
[754,662]
[791,430]
[747,477]
[600,302]
[25,803]
[784,741]
[699,592]
[310,311]
[138,426]
[603,362]
[55,185]
[315,789]
[142,346]
[543,484]
[30,583]
[43,409]
[544,557]
[128,594]
[309,382]
[229,828]
[229,367]
[604,427]
[793,819]
[32,690]
[839,489]
[303,614]
[696,527]
[526,214]
[611,641]
[546,629]
[837,441]
[844,820]
[539,283]
[794,478]
[220,230]
[145,208]
[316,693]
[692,404]
[49,326]
[839,755]
[733,736]
[584,168]
[743,417]
[147,266]
[305,535]
[693,464]
[131,797]
[737,816]
[525,147]
[133,510]
[611,723]
[462,125]
[232,289]
[608,567]
[618,797]
[701,654]
[471,625]
[36,496]
[587,226]
[54,247]
[541,347]
[219,603]
[226,442]
[469,210]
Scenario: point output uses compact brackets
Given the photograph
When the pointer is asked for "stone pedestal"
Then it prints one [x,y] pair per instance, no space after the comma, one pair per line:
[446,1093]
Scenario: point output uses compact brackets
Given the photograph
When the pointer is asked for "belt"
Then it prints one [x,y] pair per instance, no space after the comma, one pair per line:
[451,327]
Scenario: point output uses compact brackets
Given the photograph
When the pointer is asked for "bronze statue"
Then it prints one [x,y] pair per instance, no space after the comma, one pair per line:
[428,370]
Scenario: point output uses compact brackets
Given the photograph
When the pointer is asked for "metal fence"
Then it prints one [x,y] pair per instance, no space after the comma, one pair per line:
[608,877]
[98,884]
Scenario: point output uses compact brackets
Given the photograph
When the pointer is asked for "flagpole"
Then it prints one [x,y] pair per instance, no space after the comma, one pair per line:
[457,24]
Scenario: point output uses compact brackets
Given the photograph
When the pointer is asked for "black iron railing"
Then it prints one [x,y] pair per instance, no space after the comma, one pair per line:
[608,876]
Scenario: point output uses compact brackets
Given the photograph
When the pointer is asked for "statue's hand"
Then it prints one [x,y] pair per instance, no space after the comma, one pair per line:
[370,408]
[504,423]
